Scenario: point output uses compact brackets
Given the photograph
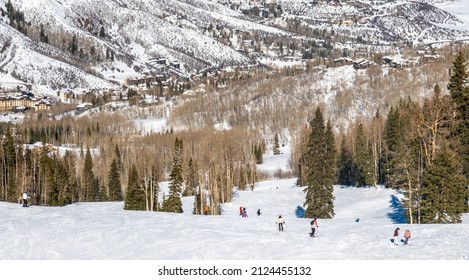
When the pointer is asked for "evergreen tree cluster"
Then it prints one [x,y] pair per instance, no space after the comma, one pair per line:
[15,17]
[419,149]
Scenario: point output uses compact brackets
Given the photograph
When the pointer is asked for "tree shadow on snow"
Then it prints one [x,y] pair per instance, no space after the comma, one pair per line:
[300,212]
[397,214]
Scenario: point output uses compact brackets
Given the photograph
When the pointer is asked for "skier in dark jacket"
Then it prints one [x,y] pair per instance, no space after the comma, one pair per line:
[396,235]
[258,212]
[314,226]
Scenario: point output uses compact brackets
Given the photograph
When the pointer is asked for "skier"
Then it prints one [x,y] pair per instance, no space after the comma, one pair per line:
[206,210]
[280,223]
[314,226]
[396,235]
[406,236]
[258,212]
[25,199]
[245,214]
[241,210]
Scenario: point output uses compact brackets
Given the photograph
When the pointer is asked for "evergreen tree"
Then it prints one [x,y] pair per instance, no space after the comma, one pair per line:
[364,164]
[191,179]
[63,183]
[102,34]
[459,91]
[345,165]
[393,139]
[73,47]
[258,154]
[114,185]
[276,147]
[69,165]
[173,202]
[443,190]
[135,195]
[88,178]
[319,178]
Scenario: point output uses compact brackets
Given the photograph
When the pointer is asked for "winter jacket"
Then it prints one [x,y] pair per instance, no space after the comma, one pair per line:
[280,221]
[407,233]
[314,224]
[25,196]
[396,232]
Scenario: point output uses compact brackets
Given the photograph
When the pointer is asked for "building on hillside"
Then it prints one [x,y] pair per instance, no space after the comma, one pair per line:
[22,101]
[343,61]
[361,64]
[84,106]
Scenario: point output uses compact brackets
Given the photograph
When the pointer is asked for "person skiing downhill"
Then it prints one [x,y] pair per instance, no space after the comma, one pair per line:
[244,214]
[314,226]
[406,236]
[280,223]
[258,212]
[25,199]
[396,235]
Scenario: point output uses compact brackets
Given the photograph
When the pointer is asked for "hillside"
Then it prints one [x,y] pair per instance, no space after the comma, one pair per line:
[97,44]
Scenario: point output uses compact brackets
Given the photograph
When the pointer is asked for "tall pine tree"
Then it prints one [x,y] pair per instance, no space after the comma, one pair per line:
[114,185]
[135,195]
[345,165]
[276,147]
[319,174]
[173,202]
[364,165]
[459,90]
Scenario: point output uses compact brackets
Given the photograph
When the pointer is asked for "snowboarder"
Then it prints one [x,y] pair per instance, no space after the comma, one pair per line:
[258,212]
[314,226]
[406,236]
[280,223]
[396,235]
[25,199]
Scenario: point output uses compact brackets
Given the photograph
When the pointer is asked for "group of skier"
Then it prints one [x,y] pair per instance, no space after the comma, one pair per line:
[396,236]
[314,226]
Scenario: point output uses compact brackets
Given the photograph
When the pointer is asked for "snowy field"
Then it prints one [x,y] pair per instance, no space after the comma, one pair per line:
[104,231]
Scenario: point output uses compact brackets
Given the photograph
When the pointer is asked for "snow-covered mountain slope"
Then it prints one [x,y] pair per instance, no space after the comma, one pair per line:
[105,231]
[41,64]
[126,34]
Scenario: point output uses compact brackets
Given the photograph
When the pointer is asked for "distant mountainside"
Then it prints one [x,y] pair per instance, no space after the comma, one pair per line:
[98,43]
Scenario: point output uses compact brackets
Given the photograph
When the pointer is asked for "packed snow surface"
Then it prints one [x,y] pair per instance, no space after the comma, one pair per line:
[92,231]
